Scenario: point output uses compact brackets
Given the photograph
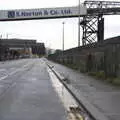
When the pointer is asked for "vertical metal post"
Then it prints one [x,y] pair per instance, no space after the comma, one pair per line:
[1,36]
[63,36]
[7,35]
[79,25]
[63,43]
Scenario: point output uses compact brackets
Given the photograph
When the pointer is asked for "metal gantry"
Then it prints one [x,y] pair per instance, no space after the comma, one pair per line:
[93,23]
[101,4]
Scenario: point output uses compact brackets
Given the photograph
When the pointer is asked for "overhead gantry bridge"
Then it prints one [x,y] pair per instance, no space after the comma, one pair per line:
[93,23]
[91,15]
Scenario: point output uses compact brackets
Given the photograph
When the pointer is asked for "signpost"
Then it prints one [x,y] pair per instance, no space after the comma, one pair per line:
[43,13]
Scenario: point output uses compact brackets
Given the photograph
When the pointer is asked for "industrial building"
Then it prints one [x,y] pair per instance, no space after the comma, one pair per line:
[20,48]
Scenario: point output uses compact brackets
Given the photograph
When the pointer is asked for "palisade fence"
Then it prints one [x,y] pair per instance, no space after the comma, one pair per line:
[101,56]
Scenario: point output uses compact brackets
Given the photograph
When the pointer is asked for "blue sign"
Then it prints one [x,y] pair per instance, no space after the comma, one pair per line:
[11,14]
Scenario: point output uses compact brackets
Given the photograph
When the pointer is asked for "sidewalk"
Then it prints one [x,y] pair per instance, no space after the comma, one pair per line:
[105,98]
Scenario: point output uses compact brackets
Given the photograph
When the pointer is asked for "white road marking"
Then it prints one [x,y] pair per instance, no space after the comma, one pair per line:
[1,70]
[4,77]
[11,73]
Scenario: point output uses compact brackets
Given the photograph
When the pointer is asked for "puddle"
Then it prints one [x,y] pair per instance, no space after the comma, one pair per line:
[74,111]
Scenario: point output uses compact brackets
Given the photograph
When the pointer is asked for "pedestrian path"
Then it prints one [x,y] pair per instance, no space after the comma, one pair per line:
[102,96]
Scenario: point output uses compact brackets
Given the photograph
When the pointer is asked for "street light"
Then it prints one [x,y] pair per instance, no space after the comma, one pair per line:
[7,35]
[63,36]
[79,25]
[63,43]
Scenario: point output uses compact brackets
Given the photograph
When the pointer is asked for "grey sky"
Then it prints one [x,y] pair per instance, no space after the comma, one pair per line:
[50,31]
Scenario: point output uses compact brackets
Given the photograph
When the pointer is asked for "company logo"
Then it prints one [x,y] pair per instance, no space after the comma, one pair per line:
[11,14]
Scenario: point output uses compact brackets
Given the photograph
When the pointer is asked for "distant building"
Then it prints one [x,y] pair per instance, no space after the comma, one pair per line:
[16,48]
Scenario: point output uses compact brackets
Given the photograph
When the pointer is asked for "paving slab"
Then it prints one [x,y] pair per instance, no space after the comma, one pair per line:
[102,96]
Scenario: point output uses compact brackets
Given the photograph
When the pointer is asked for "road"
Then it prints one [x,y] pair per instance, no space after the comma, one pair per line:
[26,92]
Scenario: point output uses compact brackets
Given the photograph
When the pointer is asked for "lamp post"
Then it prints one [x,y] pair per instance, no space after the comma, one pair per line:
[63,37]
[79,25]
[7,35]
[63,42]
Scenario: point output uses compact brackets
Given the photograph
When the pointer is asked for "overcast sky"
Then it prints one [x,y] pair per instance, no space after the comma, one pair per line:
[50,31]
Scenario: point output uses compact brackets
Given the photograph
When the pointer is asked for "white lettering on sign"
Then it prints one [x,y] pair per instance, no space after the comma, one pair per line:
[42,13]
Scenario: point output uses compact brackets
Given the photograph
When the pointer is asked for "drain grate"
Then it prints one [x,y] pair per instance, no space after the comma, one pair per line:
[74,114]
[74,110]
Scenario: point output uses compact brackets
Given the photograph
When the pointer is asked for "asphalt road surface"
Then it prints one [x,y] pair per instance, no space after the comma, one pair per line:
[26,92]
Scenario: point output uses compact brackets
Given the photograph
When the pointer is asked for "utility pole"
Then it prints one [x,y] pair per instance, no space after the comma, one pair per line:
[63,37]
[79,25]
[63,42]
[7,35]
[1,36]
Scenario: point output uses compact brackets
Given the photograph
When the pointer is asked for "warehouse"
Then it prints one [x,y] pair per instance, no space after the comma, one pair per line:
[20,48]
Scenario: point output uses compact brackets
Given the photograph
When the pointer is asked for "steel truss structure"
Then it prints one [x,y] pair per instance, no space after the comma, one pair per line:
[93,23]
